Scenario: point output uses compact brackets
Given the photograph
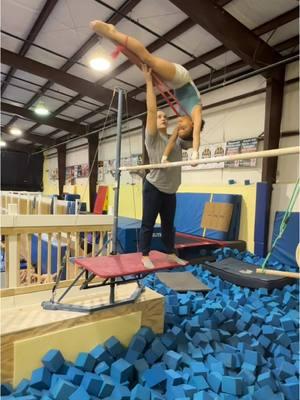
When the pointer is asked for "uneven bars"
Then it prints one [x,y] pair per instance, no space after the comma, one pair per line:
[242,156]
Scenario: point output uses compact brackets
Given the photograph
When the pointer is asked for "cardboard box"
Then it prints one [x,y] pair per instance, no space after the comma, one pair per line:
[217,216]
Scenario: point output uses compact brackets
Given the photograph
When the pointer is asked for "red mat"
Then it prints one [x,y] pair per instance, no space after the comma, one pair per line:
[125,264]
[184,240]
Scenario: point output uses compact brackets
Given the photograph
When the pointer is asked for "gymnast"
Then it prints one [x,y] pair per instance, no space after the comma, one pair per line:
[177,77]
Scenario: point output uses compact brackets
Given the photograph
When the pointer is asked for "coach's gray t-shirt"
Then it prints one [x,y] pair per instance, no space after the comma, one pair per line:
[166,180]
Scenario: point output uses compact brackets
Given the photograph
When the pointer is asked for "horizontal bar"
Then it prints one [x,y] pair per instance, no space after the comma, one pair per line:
[287,274]
[242,156]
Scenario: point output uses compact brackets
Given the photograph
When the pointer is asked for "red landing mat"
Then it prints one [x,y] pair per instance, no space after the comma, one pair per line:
[125,264]
[183,240]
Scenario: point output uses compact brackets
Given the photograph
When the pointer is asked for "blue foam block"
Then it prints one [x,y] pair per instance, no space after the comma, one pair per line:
[155,376]
[80,394]
[232,385]
[140,392]
[53,360]
[6,389]
[91,383]
[121,370]
[214,380]
[120,393]
[146,333]
[102,368]
[85,361]
[101,354]
[107,387]
[114,347]
[62,389]
[138,343]
[172,359]
[40,378]
[75,375]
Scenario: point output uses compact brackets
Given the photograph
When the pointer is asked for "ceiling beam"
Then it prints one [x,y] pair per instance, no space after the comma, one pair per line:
[37,26]
[50,120]
[86,88]
[239,39]
[116,17]
[43,140]
[17,147]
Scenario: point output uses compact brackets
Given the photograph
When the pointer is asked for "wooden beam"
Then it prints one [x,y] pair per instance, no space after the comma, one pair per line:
[86,88]
[37,26]
[273,113]
[43,140]
[61,156]
[93,168]
[250,48]
[50,121]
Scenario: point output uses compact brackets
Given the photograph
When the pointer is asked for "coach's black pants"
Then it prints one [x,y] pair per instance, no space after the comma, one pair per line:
[156,202]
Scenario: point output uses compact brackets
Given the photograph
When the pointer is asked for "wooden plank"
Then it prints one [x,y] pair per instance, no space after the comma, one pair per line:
[39,256]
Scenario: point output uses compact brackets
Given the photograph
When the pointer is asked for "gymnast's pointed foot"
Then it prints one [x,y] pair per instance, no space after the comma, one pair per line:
[147,262]
[174,258]
[103,29]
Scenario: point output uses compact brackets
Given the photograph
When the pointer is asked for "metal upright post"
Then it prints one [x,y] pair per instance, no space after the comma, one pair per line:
[117,171]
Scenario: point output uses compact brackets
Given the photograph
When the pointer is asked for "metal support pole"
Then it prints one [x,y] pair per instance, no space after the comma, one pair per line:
[117,171]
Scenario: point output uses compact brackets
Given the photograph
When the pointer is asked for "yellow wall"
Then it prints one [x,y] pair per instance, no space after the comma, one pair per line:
[130,204]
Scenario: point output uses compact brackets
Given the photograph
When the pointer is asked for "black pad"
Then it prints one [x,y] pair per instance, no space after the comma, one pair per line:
[243,274]
[182,281]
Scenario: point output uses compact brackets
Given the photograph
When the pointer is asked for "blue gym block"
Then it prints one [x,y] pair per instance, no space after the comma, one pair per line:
[114,347]
[40,378]
[5,389]
[138,343]
[291,390]
[151,357]
[141,365]
[91,383]
[146,333]
[173,377]
[203,396]
[131,356]
[169,340]
[154,376]
[53,360]
[75,375]
[172,359]
[62,389]
[198,368]
[157,347]
[121,370]
[85,361]
[286,370]
[214,379]
[248,377]
[263,393]
[80,394]
[107,386]
[35,392]
[120,393]
[22,387]
[199,382]
[140,392]
[101,354]
[266,379]
[232,385]
[102,368]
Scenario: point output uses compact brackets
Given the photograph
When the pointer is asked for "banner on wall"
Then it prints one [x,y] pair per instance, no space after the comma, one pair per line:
[238,147]
[53,174]
[206,152]
[100,177]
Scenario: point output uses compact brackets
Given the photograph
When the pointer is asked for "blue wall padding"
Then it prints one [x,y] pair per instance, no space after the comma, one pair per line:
[262,216]
[34,243]
[285,248]
[128,235]
[190,208]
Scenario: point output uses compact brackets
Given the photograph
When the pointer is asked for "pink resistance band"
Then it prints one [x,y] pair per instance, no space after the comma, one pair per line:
[163,88]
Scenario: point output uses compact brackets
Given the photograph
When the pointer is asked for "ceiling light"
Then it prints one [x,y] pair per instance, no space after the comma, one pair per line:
[41,109]
[100,64]
[2,143]
[15,131]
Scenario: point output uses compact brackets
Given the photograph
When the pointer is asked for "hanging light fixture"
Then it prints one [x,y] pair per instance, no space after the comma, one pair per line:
[2,143]
[15,131]
[41,109]
[100,63]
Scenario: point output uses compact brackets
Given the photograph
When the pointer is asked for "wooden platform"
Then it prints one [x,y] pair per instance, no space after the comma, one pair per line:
[28,331]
